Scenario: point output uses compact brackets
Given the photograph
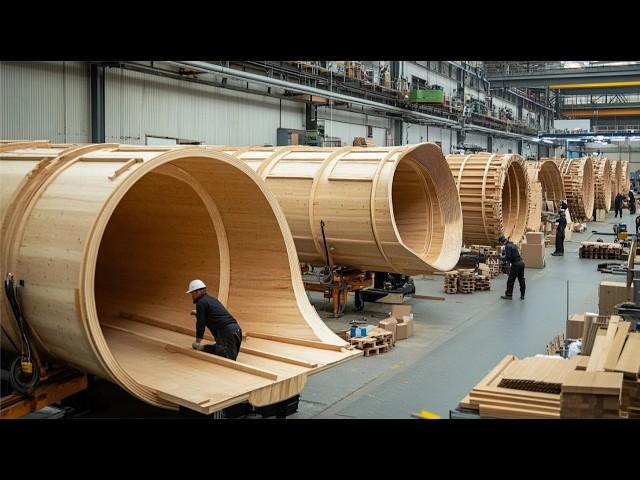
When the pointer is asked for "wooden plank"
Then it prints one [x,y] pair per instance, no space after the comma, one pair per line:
[174,348]
[516,413]
[598,352]
[599,383]
[629,361]
[207,357]
[165,325]
[295,341]
[280,358]
[427,297]
[616,346]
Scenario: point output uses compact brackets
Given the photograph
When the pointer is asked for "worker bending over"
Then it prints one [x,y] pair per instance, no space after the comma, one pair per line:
[212,314]
[512,255]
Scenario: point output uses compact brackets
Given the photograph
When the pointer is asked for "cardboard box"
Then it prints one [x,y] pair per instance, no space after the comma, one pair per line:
[399,311]
[389,324]
[533,255]
[535,238]
[404,329]
[575,325]
[611,294]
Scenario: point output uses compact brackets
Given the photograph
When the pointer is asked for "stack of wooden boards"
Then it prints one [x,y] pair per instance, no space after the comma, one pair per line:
[604,384]
[555,346]
[600,250]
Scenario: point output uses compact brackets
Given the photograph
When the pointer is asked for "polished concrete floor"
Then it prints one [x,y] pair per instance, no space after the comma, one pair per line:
[456,341]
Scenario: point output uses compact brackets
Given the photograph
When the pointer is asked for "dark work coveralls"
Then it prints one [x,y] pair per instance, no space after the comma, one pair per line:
[212,314]
[562,224]
[618,205]
[632,203]
[517,269]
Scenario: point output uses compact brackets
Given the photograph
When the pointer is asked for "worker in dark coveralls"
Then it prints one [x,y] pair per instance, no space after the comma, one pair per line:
[632,203]
[512,255]
[211,313]
[617,203]
[562,225]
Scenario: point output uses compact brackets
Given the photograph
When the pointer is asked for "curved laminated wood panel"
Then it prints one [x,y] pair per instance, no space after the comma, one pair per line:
[391,209]
[106,238]
[616,179]
[625,181]
[579,185]
[545,185]
[494,193]
[602,172]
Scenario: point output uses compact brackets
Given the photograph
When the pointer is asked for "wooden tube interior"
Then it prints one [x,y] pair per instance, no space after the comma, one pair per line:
[416,210]
[514,201]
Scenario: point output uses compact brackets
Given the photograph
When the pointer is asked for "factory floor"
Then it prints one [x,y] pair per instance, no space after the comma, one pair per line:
[455,343]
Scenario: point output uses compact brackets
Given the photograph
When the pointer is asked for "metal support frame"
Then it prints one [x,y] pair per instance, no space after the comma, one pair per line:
[97,86]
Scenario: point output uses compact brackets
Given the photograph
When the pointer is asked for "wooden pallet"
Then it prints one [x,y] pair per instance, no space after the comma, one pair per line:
[482,283]
[600,250]
[451,282]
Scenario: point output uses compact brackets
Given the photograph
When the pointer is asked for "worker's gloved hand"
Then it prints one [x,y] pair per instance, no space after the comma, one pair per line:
[193,312]
[196,345]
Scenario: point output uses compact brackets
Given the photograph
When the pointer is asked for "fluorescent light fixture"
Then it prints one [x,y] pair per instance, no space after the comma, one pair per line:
[547,141]
[535,139]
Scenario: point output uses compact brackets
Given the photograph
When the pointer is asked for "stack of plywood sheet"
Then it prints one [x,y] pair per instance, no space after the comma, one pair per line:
[629,365]
[492,401]
[538,374]
[591,395]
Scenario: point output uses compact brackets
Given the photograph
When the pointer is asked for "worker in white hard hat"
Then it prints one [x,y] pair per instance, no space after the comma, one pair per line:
[211,313]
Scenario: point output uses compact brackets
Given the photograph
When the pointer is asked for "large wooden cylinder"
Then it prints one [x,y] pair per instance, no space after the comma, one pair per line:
[602,172]
[625,181]
[579,185]
[105,239]
[545,185]
[616,179]
[494,194]
[390,209]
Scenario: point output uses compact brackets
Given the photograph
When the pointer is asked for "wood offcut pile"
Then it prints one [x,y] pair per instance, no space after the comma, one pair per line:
[604,384]
[600,250]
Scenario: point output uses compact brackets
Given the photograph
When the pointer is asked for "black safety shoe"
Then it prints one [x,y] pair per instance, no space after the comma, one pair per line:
[507,297]
[521,297]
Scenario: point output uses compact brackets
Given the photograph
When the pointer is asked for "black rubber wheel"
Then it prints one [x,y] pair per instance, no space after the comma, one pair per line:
[22,382]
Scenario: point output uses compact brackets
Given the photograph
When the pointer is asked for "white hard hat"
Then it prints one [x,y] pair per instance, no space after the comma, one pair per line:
[195,285]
